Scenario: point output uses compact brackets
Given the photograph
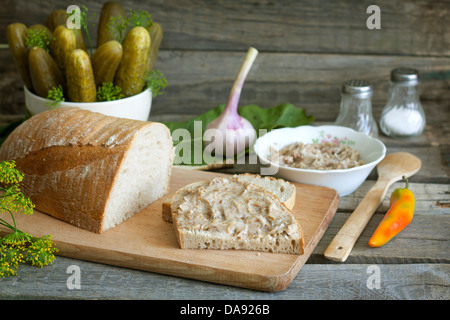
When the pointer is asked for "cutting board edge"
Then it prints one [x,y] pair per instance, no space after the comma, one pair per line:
[184,269]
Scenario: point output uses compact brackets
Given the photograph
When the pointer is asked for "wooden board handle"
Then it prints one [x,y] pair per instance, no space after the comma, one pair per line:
[342,244]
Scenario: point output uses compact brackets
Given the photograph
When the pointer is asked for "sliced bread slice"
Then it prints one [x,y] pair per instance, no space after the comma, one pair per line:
[283,189]
[232,213]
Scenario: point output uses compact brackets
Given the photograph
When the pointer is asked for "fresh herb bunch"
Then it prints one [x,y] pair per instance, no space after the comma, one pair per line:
[119,26]
[37,38]
[19,247]
[109,92]
[55,97]
[156,81]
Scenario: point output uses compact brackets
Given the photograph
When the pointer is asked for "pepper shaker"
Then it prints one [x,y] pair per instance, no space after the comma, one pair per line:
[356,107]
[403,115]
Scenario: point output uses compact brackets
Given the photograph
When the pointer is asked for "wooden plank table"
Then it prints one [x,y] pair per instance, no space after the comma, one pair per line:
[307,50]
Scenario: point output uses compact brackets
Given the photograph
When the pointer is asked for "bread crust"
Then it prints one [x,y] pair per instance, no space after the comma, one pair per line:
[70,159]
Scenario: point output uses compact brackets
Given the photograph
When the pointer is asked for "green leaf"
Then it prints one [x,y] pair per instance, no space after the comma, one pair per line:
[284,115]
[262,119]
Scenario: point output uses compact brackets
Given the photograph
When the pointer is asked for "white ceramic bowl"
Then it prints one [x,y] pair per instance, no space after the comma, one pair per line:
[345,181]
[136,107]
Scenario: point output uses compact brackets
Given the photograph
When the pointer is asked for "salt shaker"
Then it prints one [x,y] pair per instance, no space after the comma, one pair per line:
[356,107]
[403,115]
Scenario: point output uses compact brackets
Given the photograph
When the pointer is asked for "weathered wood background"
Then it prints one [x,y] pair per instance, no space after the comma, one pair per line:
[307,50]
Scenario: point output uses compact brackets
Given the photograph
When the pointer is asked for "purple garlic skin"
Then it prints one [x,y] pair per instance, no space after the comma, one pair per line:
[233,133]
[231,138]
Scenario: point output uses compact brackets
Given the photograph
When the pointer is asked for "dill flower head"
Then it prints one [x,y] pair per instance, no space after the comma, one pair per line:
[10,257]
[12,200]
[19,247]
[8,173]
[41,252]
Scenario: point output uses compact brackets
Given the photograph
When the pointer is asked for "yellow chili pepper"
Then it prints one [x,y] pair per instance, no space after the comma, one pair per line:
[399,215]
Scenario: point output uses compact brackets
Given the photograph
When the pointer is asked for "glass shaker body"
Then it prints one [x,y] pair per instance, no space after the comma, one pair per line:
[356,107]
[403,115]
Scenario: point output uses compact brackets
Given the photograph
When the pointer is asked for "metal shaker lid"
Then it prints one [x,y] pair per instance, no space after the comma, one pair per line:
[409,75]
[359,88]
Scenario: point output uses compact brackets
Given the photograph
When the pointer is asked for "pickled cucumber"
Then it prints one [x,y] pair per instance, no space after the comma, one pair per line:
[56,18]
[80,77]
[41,27]
[44,72]
[130,73]
[59,18]
[156,36]
[64,42]
[16,34]
[109,9]
[105,61]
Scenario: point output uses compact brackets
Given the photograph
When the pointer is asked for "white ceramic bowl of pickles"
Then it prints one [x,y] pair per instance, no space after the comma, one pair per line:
[60,70]
[345,181]
[136,107]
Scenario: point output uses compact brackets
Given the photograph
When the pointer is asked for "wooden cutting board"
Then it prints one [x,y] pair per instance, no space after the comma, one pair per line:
[147,242]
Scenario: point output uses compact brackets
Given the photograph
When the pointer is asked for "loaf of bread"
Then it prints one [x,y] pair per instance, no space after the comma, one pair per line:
[231,213]
[88,169]
[282,189]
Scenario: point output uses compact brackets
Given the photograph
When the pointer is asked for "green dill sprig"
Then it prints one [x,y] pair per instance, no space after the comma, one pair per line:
[37,38]
[11,199]
[156,81]
[55,97]
[119,26]
[139,18]
[19,247]
[38,252]
[109,92]
[84,17]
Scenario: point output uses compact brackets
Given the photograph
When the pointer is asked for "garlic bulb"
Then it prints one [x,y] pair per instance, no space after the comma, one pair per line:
[230,134]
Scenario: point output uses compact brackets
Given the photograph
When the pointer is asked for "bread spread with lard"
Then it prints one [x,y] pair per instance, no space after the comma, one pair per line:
[228,213]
